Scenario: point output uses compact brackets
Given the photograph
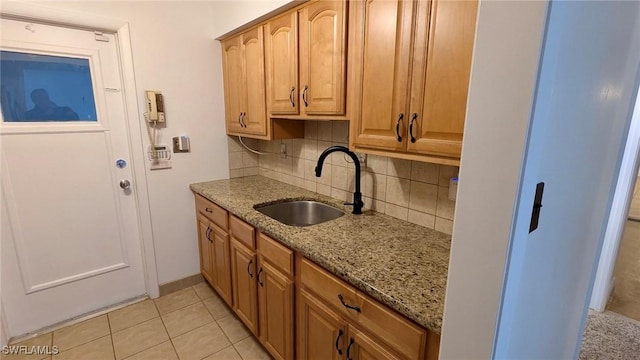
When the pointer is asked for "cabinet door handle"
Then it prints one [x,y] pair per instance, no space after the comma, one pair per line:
[293,103]
[338,342]
[242,123]
[349,349]
[304,96]
[400,117]
[209,210]
[260,282]
[208,233]
[240,119]
[249,268]
[356,308]
[413,119]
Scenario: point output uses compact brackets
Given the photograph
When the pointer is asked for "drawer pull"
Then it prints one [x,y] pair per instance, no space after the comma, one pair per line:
[356,308]
[208,233]
[293,89]
[260,282]
[249,268]
[338,342]
[304,96]
[349,349]
[400,117]
[413,119]
[209,210]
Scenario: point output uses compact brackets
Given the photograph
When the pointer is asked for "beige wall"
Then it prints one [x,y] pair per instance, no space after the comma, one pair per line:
[408,190]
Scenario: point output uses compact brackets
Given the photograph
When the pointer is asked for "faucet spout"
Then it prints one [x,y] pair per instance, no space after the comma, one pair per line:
[357,195]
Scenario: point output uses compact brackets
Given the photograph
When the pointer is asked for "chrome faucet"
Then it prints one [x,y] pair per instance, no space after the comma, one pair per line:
[357,195]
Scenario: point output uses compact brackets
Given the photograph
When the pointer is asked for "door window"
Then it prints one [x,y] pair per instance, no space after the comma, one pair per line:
[44,88]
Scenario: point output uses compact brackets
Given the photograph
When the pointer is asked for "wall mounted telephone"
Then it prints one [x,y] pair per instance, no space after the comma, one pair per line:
[155,107]
[159,155]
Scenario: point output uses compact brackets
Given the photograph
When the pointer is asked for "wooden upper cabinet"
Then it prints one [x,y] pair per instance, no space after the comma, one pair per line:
[409,66]
[381,63]
[232,62]
[281,57]
[440,81]
[244,82]
[255,118]
[323,49]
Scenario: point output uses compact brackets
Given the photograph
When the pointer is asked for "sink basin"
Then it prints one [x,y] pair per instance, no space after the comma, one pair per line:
[300,212]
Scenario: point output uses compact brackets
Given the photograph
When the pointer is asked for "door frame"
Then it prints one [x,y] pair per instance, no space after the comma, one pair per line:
[44,14]
[604,281]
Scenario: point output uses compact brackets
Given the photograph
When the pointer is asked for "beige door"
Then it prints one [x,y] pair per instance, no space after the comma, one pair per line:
[70,234]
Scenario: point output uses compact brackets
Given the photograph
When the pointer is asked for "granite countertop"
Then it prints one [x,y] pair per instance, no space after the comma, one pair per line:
[396,262]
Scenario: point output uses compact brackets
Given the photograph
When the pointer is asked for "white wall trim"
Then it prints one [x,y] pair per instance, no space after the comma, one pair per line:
[604,283]
[76,19]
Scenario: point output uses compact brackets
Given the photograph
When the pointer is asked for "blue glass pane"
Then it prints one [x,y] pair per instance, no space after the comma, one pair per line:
[45,88]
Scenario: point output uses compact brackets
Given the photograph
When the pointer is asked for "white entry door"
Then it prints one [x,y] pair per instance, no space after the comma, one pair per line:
[70,231]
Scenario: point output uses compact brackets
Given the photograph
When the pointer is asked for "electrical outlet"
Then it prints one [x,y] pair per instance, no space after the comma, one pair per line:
[363,159]
[283,150]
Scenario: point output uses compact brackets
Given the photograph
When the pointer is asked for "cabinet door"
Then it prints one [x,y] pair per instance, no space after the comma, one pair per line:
[275,295]
[440,79]
[362,347]
[221,263]
[380,54]
[320,331]
[281,60]
[323,57]
[255,117]
[243,272]
[204,245]
[233,74]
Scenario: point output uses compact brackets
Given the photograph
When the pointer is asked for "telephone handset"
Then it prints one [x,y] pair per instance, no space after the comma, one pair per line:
[155,107]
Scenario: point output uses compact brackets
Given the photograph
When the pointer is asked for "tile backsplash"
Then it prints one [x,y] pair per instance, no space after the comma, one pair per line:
[409,190]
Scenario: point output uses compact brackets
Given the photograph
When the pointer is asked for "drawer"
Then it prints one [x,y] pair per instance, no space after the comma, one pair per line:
[400,334]
[277,254]
[242,232]
[328,287]
[212,211]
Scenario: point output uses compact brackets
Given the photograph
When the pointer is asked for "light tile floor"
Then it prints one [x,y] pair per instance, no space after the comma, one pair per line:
[189,324]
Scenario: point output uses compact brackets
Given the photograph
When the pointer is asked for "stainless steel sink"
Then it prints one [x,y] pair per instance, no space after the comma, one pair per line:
[300,212]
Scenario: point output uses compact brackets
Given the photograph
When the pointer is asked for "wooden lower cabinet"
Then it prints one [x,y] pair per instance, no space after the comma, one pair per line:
[243,283]
[336,320]
[320,330]
[295,307]
[363,347]
[205,246]
[221,277]
[275,298]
